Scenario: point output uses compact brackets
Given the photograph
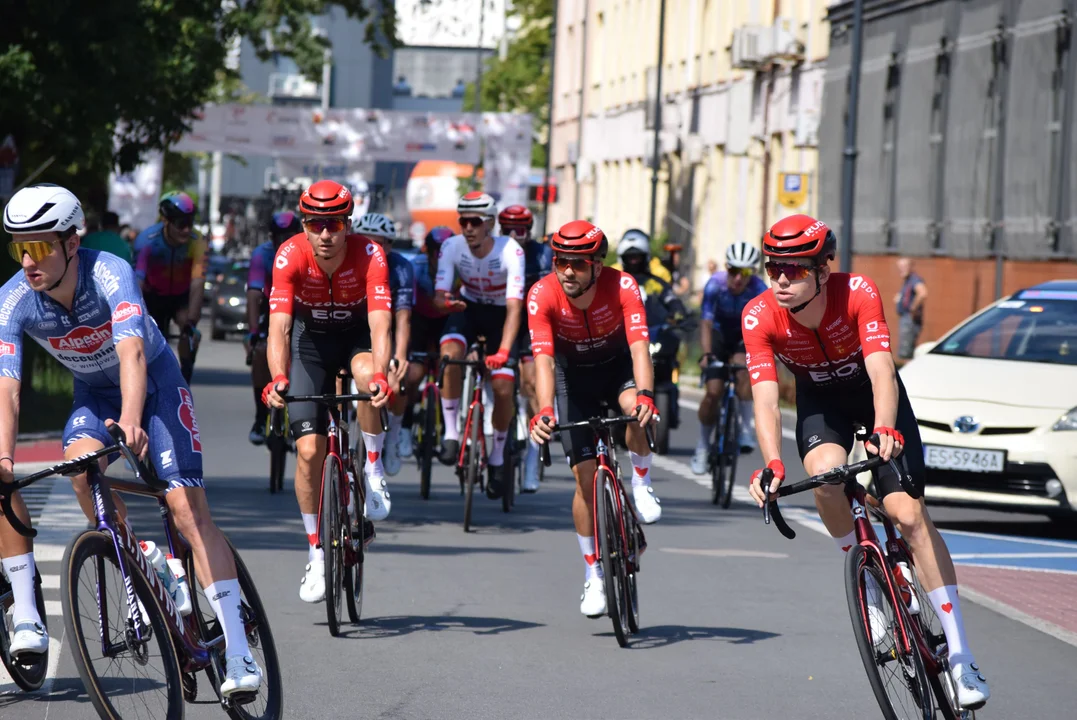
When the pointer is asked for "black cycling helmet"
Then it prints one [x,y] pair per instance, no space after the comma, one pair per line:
[283,225]
[177,208]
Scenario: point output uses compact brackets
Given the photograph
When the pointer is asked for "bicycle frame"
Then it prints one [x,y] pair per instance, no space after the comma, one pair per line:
[603,449]
[337,451]
[475,413]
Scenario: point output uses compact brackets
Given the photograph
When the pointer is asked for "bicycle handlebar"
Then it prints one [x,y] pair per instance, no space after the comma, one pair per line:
[334,399]
[597,424]
[143,471]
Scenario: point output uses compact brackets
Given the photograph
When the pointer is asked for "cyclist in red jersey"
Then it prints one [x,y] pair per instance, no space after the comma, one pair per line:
[591,346]
[829,329]
[329,308]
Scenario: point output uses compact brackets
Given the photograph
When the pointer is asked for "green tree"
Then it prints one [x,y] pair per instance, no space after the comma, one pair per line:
[521,82]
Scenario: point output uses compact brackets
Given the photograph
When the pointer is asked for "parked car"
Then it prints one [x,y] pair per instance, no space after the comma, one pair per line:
[217,267]
[228,309]
[996,402]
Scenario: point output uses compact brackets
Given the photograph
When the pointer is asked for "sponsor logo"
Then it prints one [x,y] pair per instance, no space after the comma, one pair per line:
[370,249]
[379,288]
[108,281]
[834,324]
[125,311]
[869,338]
[6,348]
[221,595]
[872,326]
[532,307]
[84,339]
[83,317]
[11,301]
[626,281]
[166,458]
[185,411]
[750,322]
[819,225]
[635,317]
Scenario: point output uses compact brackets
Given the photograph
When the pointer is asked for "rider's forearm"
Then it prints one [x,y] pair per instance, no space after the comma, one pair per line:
[768,420]
[132,380]
[194,309]
[512,323]
[884,387]
[545,382]
[9,416]
[279,344]
[380,321]
[642,369]
[254,308]
[402,334]
[706,328]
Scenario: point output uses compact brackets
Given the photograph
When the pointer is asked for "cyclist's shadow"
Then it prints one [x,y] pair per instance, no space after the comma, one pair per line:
[659,636]
[391,626]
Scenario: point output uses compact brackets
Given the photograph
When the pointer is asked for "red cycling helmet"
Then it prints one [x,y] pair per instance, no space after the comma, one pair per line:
[516,216]
[580,237]
[800,236]
[326,198]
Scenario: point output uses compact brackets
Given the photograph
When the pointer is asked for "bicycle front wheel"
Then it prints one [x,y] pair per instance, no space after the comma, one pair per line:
[427,442]
[28,672]
[473,467]
[125,677]
[609,542]
[727,460]
[897,676]
[332,544]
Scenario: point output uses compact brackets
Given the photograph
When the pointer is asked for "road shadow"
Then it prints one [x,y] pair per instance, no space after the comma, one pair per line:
[393,626]
[217,377]
[67,690]
[660,636]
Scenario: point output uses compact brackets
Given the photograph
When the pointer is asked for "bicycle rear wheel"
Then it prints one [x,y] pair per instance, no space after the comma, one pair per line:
[355,554]
[132,678]
[612,560]
[428,442]
[28,672]
[473,467]
[631,566]
[897,678]
[332,544]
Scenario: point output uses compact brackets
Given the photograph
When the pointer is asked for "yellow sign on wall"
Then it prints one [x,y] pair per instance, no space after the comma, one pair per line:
[793,190]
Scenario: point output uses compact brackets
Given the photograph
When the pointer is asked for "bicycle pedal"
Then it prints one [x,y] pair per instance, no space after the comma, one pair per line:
[239,698]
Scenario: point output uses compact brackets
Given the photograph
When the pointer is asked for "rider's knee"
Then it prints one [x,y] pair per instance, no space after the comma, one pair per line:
[503,388]
[190,523]
[453,349]
[908,515]
[306,449]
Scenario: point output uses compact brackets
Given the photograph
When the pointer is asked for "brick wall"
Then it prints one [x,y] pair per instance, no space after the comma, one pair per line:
[956,288]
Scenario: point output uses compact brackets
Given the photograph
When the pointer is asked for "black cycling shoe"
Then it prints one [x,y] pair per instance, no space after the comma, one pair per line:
[450,450]
[494,474]
[258,432]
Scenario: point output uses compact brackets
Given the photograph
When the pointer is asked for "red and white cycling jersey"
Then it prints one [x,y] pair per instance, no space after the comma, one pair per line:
[322,302]
[853,327]
[614,320]
[492,279]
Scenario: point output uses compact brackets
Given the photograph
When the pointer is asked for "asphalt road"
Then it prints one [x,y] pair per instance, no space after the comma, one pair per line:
[738,623]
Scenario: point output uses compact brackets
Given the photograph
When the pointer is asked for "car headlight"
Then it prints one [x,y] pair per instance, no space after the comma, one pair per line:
[1067,421]
[234,301]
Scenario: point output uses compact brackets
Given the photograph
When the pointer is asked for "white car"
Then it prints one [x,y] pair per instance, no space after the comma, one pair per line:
[995,401]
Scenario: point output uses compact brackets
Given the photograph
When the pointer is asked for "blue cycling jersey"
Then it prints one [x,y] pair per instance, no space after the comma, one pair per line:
[538,262]
[722,307]
[260,272]
[401,281]
[108,307]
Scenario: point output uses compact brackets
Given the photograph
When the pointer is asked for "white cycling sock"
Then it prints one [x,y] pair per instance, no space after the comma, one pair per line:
[641,469]
[395,421]
[224,598]
[846,542]
[310,527]
[590,558]
[706,433]
[747,414]
[497,453]
[947,606]
[373,442]
[20,573]
[450,414]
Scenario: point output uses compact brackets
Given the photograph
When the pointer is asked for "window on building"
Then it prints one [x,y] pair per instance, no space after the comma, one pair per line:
[757,95]
[936,179]
[794,89]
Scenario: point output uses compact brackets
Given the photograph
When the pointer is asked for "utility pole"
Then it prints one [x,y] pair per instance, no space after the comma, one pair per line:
[549,118]
[848,170]
[657,113]
[478,58]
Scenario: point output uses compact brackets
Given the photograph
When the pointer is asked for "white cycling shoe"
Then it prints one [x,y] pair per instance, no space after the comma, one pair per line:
[378,504]
[29,638]
[972,690]
[880,627]
[241,675]
[405,447]
[593,600]
[647,504]
[747,439]
[390,458]
[699,461]
[312,589]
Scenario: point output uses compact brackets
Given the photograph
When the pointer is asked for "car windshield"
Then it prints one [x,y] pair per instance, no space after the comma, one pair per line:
[1027,328]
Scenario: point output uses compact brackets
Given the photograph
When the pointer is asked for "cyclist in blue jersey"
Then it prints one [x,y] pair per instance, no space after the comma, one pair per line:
[380,229]
[84,308]
[170,263]
[725,296]
[516,221]
[282,226]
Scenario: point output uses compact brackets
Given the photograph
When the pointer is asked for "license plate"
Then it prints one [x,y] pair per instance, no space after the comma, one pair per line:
[968,459]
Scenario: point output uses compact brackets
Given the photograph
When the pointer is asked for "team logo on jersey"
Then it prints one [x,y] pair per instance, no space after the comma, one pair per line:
[84,339]
[370,249]
[6,348]
[185,412]
[125,311]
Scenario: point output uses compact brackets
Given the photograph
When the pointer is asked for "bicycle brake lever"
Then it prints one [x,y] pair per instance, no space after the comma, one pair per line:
[544,448]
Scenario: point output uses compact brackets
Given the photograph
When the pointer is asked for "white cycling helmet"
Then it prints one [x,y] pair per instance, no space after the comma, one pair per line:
[634,241]
[477,203]
[742,255]
[43,208]
[375,224]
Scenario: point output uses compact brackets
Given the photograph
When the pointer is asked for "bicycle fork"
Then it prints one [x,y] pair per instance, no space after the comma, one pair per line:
[864,533]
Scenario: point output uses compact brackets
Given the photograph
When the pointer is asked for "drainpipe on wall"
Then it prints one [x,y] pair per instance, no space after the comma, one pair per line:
[656,157]
[579,123]
[848,170]
[549,120]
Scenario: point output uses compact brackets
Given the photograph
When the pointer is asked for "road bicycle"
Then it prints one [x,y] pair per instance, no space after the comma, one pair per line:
[343,532]
[137,655]
[427,425]
[28,671]
[725,448]
[908,669]
[471,463]
[619,538]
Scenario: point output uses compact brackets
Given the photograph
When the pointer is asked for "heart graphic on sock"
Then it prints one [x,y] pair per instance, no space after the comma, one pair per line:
[312,538]
[845,548]
[640,471]
[372,456]
[947,607]
[590,559]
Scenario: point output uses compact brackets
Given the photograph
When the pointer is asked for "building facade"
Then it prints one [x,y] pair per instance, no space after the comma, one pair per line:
[741,100]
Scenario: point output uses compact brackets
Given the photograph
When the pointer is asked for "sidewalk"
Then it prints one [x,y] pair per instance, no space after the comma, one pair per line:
[38,451]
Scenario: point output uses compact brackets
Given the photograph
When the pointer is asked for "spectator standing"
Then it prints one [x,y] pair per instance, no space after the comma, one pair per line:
[910,307]
[108,238]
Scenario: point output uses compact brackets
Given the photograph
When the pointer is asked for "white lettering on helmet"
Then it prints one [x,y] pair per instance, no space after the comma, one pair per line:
[819,224]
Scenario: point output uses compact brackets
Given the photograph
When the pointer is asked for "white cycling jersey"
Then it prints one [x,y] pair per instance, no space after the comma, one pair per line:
[493,279]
